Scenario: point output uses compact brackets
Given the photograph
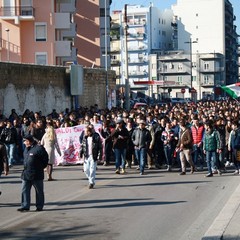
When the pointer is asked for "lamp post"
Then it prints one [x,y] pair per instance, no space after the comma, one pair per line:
[127,87]
[8,50]
[190,49]
[106,54]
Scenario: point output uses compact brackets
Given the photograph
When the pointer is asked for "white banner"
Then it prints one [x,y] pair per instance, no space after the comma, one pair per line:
[69,144]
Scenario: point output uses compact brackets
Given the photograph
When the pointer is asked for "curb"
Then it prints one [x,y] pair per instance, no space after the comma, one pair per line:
[222,221]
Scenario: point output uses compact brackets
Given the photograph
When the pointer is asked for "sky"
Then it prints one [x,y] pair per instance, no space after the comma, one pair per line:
[162,4]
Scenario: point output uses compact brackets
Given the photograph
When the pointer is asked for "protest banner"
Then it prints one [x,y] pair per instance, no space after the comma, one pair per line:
[69,144]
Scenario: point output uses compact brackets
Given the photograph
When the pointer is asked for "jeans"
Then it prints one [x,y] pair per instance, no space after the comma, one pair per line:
[120,156]
[141,157]
[168,151]
[211,159]
[26,193]
[236,163]
[197,154]
[11,153]
[90,167]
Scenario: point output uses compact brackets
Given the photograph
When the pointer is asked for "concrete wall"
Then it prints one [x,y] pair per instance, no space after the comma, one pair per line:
[43,88]
[95,87]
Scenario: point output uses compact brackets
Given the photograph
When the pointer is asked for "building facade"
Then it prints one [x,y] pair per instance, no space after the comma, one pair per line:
[55,32]
[205,32]
[199,56]
[141,31]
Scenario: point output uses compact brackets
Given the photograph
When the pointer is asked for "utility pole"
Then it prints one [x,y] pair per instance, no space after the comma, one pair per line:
[190,49]
[127,87]
[106,54]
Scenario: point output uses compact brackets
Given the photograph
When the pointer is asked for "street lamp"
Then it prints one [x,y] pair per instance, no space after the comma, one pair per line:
[127,87]
[190,49]
[106,54]
[8,50]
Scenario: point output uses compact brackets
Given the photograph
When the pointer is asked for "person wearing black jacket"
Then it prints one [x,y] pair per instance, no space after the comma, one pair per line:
[35,160]
[120,138]
[91,149]
[9,137]
[3,161]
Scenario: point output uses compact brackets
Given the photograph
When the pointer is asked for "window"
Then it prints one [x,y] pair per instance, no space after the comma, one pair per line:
[180,67]
[41,32]
[206,79]
[179,80]
[102,12]
[206,66]
[41,58]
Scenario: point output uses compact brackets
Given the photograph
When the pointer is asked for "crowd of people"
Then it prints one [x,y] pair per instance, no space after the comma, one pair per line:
[160,136]
[166,136]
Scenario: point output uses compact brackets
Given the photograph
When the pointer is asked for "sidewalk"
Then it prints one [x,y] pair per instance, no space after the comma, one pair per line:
[226,225]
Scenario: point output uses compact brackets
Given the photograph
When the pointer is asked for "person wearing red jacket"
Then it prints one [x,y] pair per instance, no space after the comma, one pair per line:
[197,134]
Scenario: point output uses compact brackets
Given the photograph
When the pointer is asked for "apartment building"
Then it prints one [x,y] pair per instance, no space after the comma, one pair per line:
[55,32]
[92,37]
[38,32]
[148,28]
[205,32]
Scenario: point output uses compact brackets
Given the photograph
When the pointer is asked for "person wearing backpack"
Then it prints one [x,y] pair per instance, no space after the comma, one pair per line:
[35,160]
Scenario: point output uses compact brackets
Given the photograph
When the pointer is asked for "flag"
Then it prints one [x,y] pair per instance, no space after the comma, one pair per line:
[233,90]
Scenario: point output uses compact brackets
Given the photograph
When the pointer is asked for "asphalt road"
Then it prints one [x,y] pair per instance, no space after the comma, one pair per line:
[155,206]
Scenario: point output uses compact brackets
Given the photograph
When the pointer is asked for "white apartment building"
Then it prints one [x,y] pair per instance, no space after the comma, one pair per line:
[148,29]
[204,31]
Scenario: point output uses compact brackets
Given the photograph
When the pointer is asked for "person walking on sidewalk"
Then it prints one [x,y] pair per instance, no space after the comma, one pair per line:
[184,146]
[3,161]
[91,148]
[35,160]
[141,138]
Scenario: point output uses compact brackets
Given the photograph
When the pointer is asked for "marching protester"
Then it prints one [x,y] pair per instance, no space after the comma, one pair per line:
[197,130]
[211,147]
[120,137]
[168,144]
[10,138]
[234,145]
[50,143]
[35,160]
[141,138]
[91,150]
[185,144]
[3,161]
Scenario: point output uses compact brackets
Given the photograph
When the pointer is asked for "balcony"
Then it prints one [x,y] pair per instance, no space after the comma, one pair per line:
[68,7]
[71,32]
[62,20]
[211,70]
[138,74]
[18,12]
[139,61]
[63,48]
[136,48]
[207,83]
[72,57]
